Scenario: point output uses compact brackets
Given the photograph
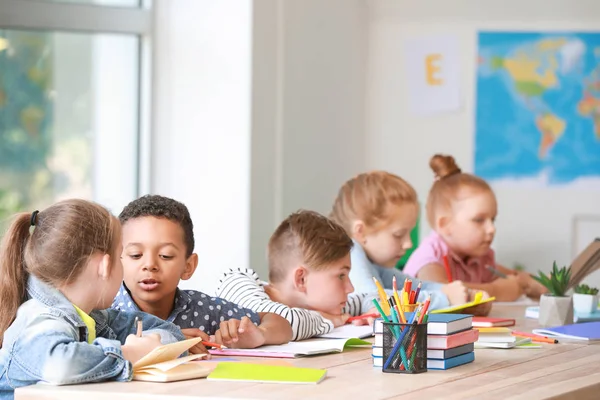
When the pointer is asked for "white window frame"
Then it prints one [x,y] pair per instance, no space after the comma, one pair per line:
[94,18]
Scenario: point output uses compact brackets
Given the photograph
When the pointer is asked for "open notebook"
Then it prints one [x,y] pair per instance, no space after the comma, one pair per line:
[162,364]
[349,331]
[295,349]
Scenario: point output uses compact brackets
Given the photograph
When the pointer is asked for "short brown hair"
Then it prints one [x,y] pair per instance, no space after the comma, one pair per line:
[449,181]
[367,198]
[64,237]
[153,205]
[308,236]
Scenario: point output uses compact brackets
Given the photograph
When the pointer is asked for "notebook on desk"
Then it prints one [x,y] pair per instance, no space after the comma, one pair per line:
[295,349]
[246,372]
[587,331]
[349,332]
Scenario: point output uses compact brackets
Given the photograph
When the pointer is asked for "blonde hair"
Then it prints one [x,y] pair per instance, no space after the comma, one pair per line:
[368,196]
[449,182]
[64,237]
[307,236]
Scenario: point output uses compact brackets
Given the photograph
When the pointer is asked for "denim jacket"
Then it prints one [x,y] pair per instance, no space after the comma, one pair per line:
[47,342]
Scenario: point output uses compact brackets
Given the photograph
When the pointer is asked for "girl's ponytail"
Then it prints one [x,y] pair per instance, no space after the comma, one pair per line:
[13,272]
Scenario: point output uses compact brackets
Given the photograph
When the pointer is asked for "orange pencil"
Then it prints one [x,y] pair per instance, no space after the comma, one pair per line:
[211,344]
[447,268]
[534,337]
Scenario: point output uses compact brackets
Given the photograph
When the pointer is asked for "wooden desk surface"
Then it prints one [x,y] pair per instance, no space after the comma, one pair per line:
[557,371]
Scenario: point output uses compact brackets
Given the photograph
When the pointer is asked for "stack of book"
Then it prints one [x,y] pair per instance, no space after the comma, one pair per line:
[450,341]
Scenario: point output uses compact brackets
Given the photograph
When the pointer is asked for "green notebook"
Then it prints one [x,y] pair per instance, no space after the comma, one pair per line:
[247,372]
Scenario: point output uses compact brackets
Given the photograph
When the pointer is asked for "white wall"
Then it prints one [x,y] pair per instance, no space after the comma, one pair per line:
[201,151]
[307,111]
[534,225]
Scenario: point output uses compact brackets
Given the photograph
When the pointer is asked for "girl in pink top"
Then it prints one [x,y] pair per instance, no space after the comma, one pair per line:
[461,209]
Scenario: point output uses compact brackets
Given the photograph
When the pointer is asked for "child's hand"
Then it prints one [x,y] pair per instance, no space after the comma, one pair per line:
[198,348]
[338,320]
[507,289]
[240,334]
[456,292]
[367,321]
[531,287]
[481,309]
[137,347]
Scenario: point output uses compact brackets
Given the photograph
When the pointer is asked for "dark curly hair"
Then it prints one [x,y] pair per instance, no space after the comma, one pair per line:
[152,205]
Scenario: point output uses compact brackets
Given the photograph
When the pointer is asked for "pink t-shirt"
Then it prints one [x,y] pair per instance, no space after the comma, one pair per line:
[433,249]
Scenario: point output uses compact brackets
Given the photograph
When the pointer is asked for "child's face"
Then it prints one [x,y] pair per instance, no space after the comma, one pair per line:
[387,245]
[327,289]
[154,259]
[470,229]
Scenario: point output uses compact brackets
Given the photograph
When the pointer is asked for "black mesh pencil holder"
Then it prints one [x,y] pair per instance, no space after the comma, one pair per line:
[404,348]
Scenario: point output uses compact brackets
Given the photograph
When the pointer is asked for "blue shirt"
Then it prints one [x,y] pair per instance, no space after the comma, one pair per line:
[47,342]
[363,271]
[193,309]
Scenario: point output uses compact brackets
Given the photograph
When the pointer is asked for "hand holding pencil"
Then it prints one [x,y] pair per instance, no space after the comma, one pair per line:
[137,345]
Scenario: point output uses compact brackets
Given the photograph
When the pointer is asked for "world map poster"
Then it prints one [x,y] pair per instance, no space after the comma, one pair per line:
[538,108]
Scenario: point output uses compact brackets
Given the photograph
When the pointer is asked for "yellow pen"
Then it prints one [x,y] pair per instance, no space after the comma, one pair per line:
[384,304]
[478,297]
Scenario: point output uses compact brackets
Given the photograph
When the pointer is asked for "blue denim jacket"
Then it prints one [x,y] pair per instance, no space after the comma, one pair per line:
[363,271]
[47,342]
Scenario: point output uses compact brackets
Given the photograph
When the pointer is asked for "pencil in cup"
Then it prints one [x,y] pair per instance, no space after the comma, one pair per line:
[412,341]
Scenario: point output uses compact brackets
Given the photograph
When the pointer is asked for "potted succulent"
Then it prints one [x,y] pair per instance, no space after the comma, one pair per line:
[585,299]
[556,307]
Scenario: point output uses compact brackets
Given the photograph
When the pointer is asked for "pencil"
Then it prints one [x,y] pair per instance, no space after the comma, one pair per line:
[397,299]
[495,271]
[534,337]
[382,296]
[417,292]
[139,327]
[364,316]
[447,268]
[215,345]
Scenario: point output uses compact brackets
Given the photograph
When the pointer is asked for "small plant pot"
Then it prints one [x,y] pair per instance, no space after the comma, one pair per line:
[556,310]
[585,303]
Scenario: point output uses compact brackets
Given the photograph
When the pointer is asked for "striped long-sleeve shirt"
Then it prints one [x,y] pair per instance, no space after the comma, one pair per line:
[243,286]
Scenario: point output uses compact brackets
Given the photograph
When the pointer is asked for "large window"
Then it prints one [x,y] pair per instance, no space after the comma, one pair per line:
[71,101]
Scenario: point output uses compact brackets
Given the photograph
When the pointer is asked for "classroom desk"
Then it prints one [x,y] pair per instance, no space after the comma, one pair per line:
[557,371]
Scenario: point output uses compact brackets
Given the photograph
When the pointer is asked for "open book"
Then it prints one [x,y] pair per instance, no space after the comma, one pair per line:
[295,349]
[162,364]
[349,331]
[585,263]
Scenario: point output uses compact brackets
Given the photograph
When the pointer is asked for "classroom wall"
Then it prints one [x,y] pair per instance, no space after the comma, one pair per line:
[260,112]
[308,108]
[201,156]
[534,223]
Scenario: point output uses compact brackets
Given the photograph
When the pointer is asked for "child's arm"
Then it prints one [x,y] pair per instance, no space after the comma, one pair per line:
[242,286]
[503,289]
[243,334]
[434,272]
[52,352]
[124,323]
[531,287]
